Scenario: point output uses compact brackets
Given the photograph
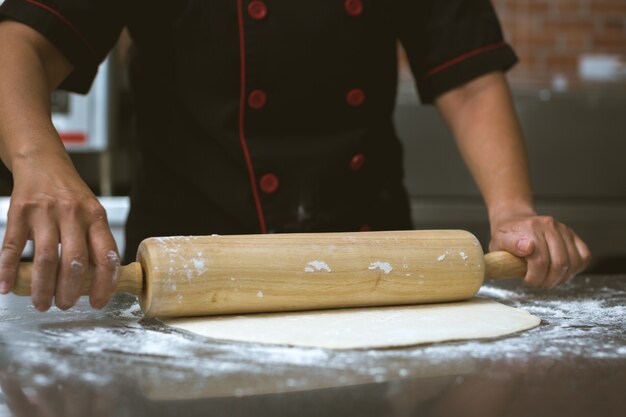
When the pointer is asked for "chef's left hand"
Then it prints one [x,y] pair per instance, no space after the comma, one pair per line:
[553,251]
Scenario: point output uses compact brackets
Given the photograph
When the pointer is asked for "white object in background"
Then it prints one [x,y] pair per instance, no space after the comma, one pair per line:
[601,67]
[117,211]
[83,120]
[560,83]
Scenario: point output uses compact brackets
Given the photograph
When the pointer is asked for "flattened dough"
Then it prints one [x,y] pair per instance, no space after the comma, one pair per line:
[363,328]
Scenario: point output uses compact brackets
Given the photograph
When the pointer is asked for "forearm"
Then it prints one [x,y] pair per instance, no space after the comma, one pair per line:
[484,123]
[31,69]
[483,120]
[50,204]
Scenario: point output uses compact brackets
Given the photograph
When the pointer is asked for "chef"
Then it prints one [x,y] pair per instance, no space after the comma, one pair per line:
[257,116]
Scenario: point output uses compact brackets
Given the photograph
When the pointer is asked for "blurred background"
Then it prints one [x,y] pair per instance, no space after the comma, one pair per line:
[569,89]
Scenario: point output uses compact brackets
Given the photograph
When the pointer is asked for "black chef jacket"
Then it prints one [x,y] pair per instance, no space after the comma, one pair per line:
[270,115]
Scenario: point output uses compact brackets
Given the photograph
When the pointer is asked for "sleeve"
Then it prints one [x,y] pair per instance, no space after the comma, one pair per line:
[451,42]
[83,30]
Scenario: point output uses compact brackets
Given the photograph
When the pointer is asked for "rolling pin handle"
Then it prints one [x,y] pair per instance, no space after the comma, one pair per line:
[503,265]
[129,279]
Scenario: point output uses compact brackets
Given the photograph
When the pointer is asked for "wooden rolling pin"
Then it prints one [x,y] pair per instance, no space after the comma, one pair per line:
[208,275]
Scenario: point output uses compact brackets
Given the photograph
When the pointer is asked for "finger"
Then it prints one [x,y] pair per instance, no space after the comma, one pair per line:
[559,259]
[74,263]
[13,244]
[103,254]
[575,260]
[45,264]
[519,244]
[583,250]
[538,262]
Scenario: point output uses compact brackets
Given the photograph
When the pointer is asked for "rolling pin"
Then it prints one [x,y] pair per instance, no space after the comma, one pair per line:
[209,275]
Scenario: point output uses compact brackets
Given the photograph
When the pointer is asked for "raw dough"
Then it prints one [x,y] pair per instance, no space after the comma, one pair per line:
[361,328]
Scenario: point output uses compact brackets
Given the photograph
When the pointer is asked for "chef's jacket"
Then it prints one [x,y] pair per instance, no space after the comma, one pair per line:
[270,115]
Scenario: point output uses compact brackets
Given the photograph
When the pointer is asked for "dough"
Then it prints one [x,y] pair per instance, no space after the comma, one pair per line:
[361,328]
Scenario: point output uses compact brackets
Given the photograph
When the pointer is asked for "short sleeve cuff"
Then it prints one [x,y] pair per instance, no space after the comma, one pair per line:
[463,69]
[63,33]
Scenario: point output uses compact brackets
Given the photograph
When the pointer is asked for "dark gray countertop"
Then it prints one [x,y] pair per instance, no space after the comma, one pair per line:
[114,363]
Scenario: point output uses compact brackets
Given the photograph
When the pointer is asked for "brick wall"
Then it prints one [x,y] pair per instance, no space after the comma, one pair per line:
[551,38]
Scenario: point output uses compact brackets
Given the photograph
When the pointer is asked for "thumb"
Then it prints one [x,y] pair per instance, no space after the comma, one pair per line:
[518,244]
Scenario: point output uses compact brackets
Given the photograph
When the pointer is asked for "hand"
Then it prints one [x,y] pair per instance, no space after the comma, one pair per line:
[554,253]
[50,204]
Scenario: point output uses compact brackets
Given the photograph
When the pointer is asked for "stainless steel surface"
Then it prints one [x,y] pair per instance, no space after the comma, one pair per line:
[114,363]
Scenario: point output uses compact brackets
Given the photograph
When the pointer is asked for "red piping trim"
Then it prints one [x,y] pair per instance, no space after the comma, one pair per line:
[69,24]
[242,106]
[73,137]
[464,57]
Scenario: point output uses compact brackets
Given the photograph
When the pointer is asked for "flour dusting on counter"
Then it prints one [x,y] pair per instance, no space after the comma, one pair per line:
[582,320]
[497,293]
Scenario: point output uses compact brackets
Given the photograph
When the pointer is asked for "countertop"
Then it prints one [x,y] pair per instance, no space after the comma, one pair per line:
[116,363]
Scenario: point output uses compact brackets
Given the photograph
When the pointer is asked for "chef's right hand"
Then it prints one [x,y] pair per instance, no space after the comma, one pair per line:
[50,204]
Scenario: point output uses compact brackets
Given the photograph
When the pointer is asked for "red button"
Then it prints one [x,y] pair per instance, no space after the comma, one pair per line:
[257,99]
[365,228]
[354,7]
[269,183]
[357,161]
[355,97]
[257,10]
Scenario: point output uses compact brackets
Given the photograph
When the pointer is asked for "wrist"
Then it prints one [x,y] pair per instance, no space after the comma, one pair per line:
[41,158]
[510,209]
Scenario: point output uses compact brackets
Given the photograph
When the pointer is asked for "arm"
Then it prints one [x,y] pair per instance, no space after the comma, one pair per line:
[50,203]
[482,118]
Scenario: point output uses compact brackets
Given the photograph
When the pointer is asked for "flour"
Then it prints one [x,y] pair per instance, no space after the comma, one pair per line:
[572,322]
[198,264]
[317,266]
[383,266]
[77,267]
[497,293]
